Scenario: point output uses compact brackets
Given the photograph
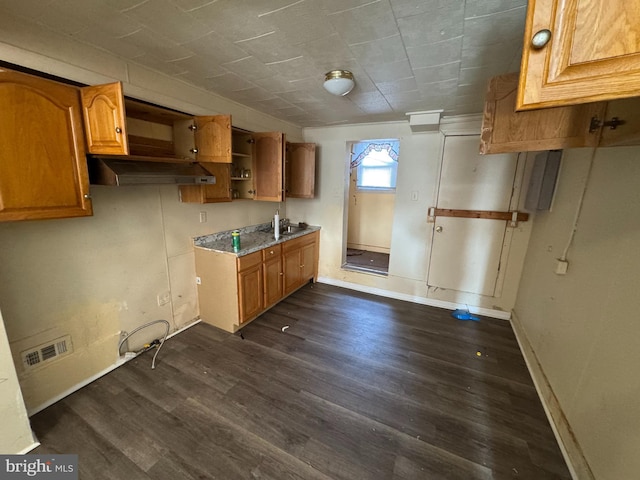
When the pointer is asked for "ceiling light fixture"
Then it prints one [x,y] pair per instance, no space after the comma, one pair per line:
[339,82]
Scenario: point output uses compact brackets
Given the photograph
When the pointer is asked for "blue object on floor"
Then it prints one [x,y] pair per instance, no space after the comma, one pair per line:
[461,314]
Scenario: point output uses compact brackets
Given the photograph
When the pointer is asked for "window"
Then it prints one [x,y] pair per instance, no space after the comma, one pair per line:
[376,163]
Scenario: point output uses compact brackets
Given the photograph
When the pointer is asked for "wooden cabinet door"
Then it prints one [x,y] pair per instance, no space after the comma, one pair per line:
[104,119]
[43,169]
[213,138]
[218,192]
[267,161]
[292,271]
[593,54]
[273,275]
[250,292]
[308,257]
[300,170]
[505,130]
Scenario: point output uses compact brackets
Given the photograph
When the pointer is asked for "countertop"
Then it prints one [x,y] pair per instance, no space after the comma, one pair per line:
[252,239]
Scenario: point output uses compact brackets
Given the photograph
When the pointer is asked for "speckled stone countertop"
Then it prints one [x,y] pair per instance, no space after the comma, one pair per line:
[252,239]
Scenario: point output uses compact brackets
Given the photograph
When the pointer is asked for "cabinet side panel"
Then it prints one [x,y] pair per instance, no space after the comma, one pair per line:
[218,290]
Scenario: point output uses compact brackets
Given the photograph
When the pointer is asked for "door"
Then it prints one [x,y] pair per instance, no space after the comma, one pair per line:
[593,53]
[213,138]
[300,170]
[268,174]
[43,168]
[465,254]
[104,119]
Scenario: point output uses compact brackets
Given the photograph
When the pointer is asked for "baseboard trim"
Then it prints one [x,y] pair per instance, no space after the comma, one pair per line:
[486,312]
[93,378]
[569,446]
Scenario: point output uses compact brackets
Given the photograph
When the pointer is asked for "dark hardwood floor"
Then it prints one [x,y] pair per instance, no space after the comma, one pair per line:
[358,387]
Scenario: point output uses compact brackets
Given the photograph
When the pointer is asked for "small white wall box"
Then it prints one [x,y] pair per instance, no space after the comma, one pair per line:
[428,121]
[542,184]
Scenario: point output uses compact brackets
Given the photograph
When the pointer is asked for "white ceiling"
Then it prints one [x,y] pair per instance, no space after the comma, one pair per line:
[406,55]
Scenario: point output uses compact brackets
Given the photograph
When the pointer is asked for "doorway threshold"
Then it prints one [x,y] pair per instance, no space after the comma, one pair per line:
[371,270]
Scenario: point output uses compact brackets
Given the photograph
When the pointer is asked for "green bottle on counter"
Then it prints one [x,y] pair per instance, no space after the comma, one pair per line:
[235,240]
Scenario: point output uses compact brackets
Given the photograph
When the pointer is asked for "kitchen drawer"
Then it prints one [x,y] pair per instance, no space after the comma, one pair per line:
[248,261]
[298,242]
[271,252]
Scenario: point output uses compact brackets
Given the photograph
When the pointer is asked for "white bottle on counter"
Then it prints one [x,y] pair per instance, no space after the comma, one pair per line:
[276,225]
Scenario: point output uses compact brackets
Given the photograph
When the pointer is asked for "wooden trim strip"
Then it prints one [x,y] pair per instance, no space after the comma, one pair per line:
[488,214]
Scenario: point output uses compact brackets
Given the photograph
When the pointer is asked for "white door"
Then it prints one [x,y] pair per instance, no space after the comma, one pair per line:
[466,252]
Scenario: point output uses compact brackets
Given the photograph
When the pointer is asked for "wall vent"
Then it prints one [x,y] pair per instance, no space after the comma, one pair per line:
[47,352]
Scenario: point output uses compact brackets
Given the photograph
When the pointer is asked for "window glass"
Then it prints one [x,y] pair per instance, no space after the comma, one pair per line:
[376,162]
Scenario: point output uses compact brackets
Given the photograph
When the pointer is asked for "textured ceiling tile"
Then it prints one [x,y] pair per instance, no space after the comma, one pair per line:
[190,5]
[122,5]
[96,14]
[270,48]
[363,24]
[148,60]
[328,53]
[337,6]
[397,86]
[227,82]
[57,19]
[235,20]
[438,73]
[249,68]
[156,45]
[215,49]
[409,8]
[168,20]
[383,50]
[480,75]
[478,8]
[300,22]
[434,26]
[194,68]
[297,68]
[475,56]
[501,27]
[445,88]
[276,84]
[103,40]
[438,53]
[276,103]
[254,94]
[388,72]
[30,9]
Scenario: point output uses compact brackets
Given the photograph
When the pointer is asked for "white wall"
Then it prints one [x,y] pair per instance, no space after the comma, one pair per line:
[418,171]
[94,277]
[16,432]
[584,327]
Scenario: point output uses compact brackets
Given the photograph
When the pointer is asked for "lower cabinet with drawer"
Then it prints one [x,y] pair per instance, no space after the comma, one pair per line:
[235,290]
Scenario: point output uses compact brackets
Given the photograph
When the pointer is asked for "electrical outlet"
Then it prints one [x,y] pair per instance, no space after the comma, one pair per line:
[164,298]
[561,267]
[203,217]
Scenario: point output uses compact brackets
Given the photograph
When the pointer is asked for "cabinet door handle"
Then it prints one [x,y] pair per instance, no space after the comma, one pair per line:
[541,38]
[193,150]
[193,128]
[118,130]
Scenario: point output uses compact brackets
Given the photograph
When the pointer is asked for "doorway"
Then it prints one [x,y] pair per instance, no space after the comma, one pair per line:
[468,253]
[373,166]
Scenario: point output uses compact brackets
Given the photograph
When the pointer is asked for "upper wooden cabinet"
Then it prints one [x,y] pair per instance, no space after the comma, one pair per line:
[599,124]
[593,54]
[268,166]
[119,126]
[105,125]
[505,130]
[43,170]
[300,170]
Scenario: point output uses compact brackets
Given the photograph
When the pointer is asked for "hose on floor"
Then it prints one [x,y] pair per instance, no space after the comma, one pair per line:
[124,339]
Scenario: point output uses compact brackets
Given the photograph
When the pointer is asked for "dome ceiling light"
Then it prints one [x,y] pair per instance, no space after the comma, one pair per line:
[339,82]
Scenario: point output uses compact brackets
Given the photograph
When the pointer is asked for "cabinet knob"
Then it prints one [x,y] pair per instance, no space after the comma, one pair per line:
[87,196]
[439,229]
[541,38]
[193,150]
[271,252]
[193,128]
[118,130]
[251,191]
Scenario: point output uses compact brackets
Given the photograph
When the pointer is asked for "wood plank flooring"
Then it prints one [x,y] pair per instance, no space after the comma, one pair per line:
[358,387]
